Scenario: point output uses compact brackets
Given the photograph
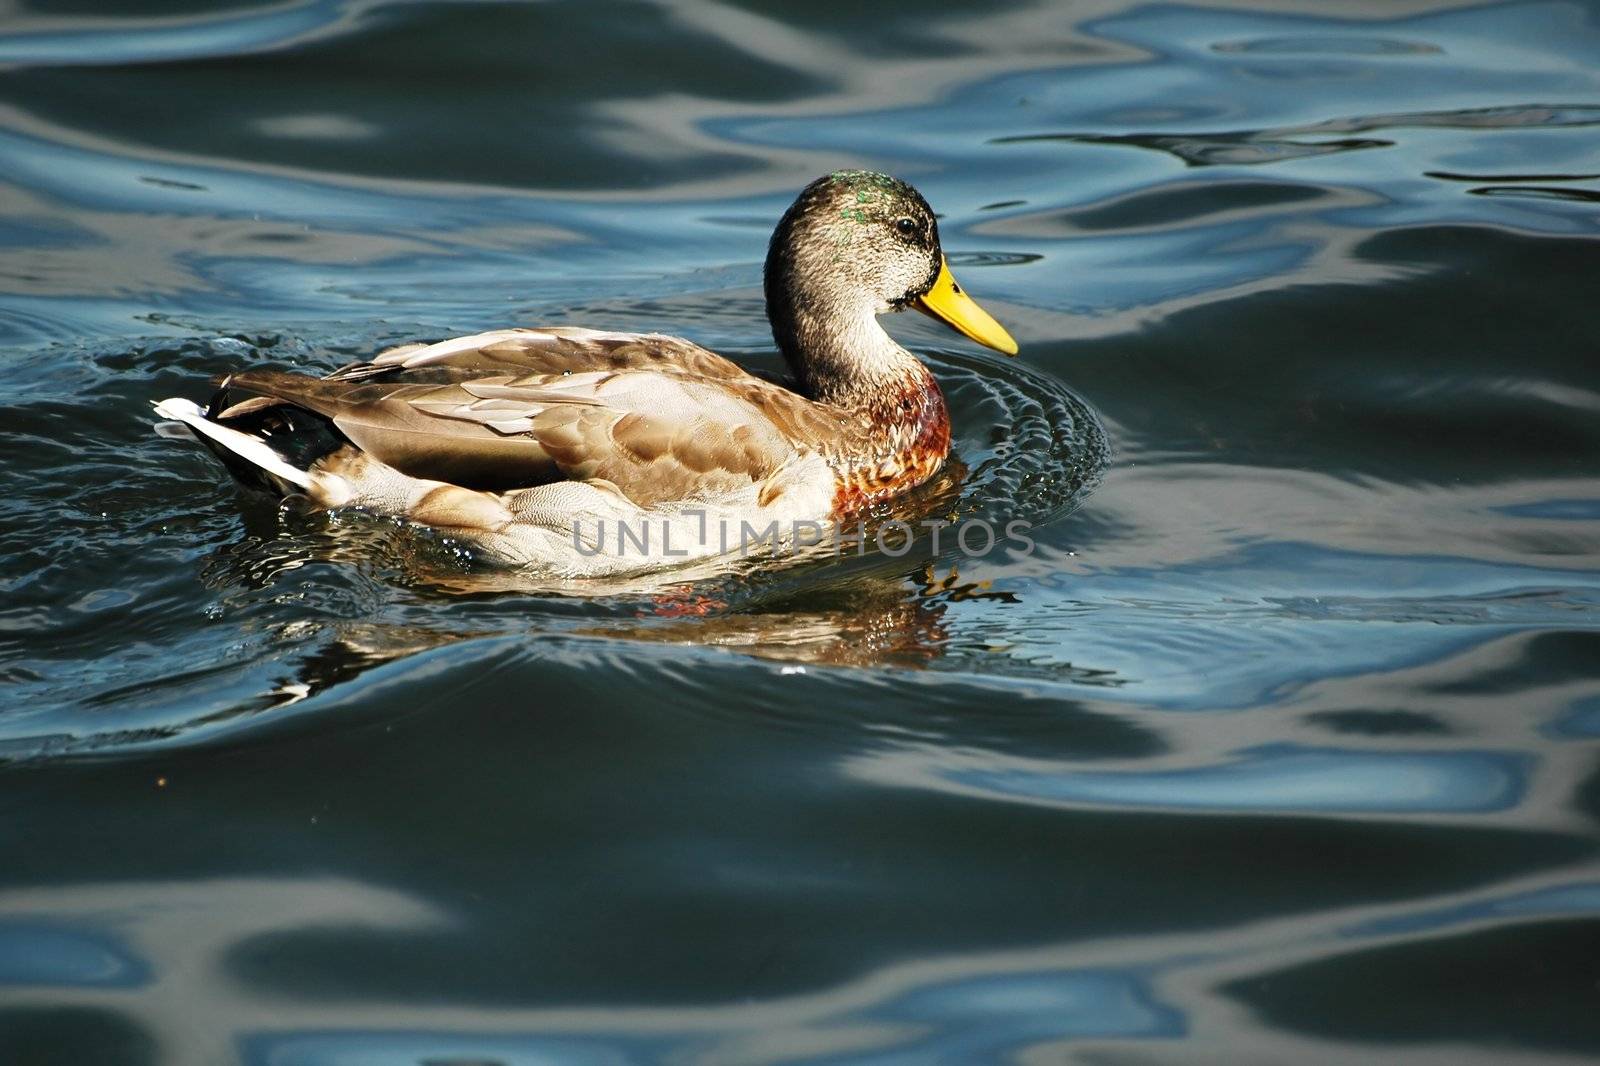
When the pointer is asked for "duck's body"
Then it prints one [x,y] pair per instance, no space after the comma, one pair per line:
[538,445]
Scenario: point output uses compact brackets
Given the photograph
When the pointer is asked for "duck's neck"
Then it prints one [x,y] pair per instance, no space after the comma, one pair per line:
[900,426]
[897,431]
[848,360]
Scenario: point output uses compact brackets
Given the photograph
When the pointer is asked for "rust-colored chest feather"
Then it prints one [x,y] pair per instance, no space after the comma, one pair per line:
[902,441]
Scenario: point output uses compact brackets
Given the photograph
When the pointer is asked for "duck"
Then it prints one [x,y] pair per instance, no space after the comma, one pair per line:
[579,452]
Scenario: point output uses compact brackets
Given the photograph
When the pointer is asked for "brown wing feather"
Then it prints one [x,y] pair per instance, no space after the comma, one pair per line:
[659,417]
[379,419]
[545,351]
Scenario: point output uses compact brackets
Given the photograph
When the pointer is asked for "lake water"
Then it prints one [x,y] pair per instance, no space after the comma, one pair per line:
[1281,744]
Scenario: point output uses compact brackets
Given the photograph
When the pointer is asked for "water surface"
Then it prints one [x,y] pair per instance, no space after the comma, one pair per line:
[1282,744]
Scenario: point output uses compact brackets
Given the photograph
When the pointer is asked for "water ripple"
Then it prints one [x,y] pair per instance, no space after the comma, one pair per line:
[1292,704]
[1255,147]
[1271,780]
[119,42]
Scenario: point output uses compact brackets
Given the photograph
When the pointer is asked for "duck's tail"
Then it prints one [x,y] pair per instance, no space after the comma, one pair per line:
[250,457]
[284,449]
[266,443]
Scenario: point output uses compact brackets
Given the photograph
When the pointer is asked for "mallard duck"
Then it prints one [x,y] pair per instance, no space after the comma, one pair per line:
[537,446]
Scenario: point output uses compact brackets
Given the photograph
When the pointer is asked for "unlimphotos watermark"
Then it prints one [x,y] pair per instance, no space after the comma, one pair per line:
[973,537]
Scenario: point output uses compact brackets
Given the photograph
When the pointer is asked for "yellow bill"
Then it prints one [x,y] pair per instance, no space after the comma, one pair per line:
[949,304]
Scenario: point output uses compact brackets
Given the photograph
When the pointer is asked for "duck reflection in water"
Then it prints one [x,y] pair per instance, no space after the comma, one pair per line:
[867,610]
[872,621]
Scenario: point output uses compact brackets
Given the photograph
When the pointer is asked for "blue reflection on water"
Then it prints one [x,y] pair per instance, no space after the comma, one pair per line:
[962,1019]
[1225,642]
[984,1018]
[1568,900]
[37,954]
[1280,778]
[135,41]
[1580,722]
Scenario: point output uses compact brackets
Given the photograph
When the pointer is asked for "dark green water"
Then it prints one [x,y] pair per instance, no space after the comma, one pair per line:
[1283,745]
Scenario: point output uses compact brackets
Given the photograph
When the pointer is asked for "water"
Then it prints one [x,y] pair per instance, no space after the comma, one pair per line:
[1281,745]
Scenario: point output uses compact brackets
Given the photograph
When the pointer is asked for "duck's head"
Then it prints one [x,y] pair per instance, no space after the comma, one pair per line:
[854,245]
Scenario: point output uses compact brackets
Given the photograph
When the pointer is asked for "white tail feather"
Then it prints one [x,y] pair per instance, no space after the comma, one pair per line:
[246,447]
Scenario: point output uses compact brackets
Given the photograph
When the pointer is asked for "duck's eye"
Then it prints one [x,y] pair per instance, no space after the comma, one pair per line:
[906,226]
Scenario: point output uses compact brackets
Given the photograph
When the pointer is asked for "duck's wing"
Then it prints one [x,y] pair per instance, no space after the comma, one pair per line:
[555,350]
[654,428]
